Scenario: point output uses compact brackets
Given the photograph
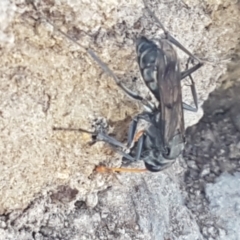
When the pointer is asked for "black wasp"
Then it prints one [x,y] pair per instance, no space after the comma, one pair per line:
[162,141]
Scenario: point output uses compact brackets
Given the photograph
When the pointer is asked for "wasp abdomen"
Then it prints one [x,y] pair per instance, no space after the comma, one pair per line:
[150,57]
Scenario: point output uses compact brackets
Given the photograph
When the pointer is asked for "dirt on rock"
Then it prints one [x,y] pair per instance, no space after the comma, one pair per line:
[49,189]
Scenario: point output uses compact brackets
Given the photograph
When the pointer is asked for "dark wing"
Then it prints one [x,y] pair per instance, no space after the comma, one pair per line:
[158,64]
[172,122]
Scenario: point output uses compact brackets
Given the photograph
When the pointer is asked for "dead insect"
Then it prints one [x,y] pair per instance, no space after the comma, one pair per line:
[162,141]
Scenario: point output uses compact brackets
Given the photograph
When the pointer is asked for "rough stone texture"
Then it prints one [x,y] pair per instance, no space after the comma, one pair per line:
[212,156]
[48,187]
[224,203]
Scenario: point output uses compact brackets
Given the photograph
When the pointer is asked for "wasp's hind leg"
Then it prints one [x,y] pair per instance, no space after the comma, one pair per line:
[168,36]
[195,98]
[129,92]
[98,60]
[187,73]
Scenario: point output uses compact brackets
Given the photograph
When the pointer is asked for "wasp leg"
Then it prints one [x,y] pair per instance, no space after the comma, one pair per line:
[167,34]
[189,108]
[113,143]
[146,116]
[121,152]
[179,45]
[187,72]
[137,154]
[100,136]
[96,136]
[129,92]
[103,65]
[140,147]
[195,98]
[132,131]
[110,140]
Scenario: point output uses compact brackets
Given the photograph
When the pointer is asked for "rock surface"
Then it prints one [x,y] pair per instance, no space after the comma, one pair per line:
[48,187]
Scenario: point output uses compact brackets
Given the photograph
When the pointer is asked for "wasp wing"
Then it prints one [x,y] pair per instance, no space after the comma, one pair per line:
[168,76]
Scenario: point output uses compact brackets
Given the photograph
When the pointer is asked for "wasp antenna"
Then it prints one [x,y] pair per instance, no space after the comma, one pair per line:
[56,28]
[103,169]
[94,56]
[104,66]
[73,130]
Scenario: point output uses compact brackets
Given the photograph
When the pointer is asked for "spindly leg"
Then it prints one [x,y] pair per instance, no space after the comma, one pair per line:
[129,92]
[96,136]
[100,136]
[195,99]
[188,72]
[168,36]
[132,131]
[113,143]
[118,146]
[184,74]
[140,147]
[189,108]
[103,65]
